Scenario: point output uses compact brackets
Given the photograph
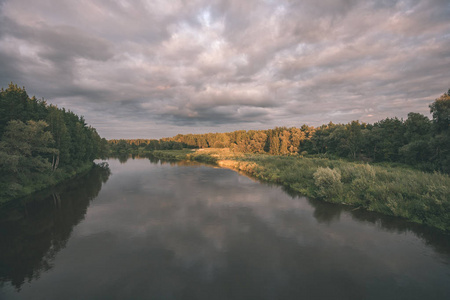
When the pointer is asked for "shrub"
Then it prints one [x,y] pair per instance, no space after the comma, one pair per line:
[328,183]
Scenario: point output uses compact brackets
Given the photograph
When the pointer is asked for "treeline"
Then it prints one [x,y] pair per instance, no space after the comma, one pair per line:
[136,146]
[41,144]
[417,141]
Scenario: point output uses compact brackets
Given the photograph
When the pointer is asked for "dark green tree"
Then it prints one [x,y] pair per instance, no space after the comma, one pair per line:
[440,144]
[25,150]
[440,109]
[418,135]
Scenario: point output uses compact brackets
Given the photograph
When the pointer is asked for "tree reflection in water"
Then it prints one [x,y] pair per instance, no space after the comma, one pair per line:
[162,232]
[328,213]
[33,231]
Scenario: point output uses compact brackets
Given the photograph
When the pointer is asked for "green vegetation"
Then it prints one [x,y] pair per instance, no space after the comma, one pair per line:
[411,194]
[41,145]
[171,154]
[398,191]
[184,154]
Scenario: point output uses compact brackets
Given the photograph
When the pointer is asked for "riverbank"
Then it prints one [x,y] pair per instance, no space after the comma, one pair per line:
[395,191]
[45,180]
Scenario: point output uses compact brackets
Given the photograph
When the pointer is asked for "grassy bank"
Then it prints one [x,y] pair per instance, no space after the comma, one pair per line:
[41,182]
[170,154]
[396,191]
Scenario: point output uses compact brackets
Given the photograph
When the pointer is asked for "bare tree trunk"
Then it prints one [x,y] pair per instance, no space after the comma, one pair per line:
[57,162]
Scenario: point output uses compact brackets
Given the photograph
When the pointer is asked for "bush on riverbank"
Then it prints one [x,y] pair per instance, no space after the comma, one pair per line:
[328,182]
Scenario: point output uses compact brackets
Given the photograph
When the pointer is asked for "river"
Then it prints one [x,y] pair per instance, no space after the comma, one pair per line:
[146,229]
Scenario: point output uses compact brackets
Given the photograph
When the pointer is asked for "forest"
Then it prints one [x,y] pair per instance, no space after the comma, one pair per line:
[416,141]
[41,144]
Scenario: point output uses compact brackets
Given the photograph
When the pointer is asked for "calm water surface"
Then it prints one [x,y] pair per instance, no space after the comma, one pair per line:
[152,230]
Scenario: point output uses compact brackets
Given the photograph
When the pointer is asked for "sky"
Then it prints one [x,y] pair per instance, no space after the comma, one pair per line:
[153,69]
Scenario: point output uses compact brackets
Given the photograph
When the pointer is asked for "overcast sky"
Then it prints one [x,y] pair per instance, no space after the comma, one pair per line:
[152,69]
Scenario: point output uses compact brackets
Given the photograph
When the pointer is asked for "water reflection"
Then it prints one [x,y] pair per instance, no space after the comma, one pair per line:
[173,230]
[329,213]
[35,230]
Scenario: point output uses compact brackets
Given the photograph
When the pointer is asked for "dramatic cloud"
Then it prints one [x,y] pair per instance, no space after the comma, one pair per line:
[157,68]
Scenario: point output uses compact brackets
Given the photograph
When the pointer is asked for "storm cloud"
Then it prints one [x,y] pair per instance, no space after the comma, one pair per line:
[152,69]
